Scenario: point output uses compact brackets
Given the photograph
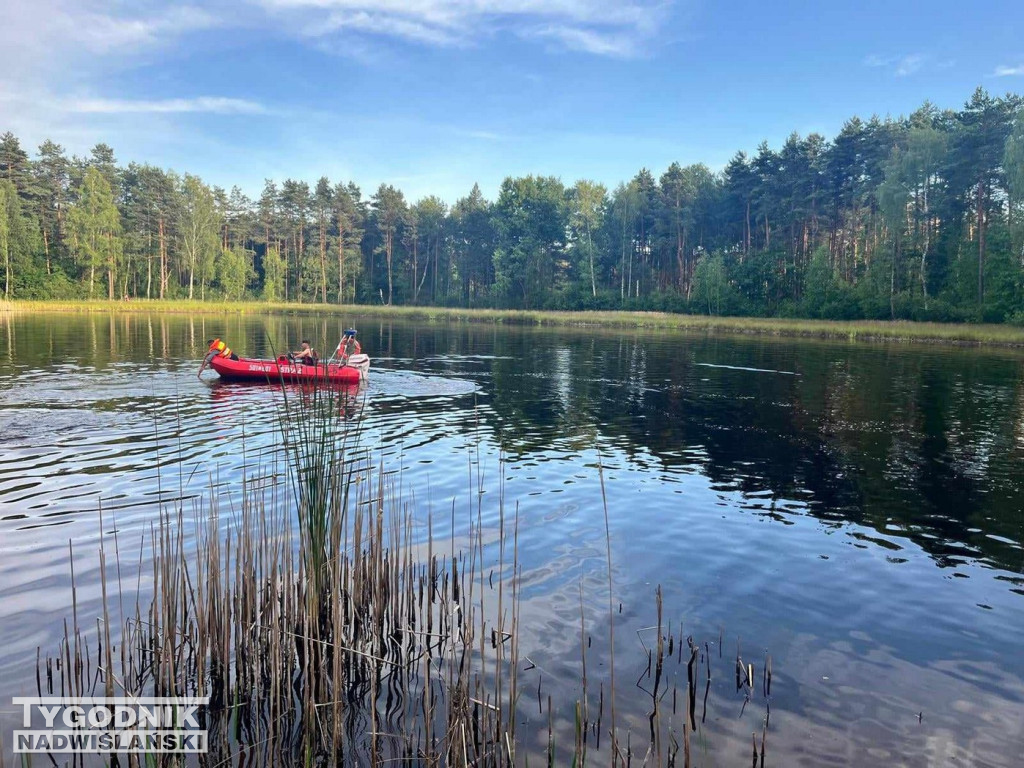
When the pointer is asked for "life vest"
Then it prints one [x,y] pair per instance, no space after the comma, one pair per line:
[220,348]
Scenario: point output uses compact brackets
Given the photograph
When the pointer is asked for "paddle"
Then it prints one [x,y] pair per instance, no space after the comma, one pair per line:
[331,358]
[202,367]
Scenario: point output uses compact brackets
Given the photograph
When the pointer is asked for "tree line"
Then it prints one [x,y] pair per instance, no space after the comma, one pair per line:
[920,217]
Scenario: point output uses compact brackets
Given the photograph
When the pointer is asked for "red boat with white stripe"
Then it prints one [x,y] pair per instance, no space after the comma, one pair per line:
[353,371]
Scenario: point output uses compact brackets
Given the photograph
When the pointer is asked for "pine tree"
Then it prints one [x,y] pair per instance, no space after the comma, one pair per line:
[349,217]
[52,171]
[389,212]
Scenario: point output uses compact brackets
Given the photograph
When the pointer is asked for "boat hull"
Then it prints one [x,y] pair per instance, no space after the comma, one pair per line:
[273,371]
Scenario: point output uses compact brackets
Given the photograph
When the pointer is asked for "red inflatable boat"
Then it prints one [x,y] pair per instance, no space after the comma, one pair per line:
[282,369]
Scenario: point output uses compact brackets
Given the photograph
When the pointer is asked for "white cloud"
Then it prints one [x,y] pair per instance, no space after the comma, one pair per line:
[42,36]
[214,104]
[386,25]
[1007,71]
[590,26]
[80,71]
[874,60]
[53,47]
[60,55]
[102,33]
[588,40]
[907,64]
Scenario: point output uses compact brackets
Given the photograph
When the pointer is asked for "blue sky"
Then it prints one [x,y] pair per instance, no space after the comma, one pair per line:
[434,95]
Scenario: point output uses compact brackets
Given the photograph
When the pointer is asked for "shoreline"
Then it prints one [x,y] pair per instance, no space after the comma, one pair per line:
[903,331]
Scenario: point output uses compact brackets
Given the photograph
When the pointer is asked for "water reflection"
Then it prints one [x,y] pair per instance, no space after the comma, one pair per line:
[802,492]
[919,445]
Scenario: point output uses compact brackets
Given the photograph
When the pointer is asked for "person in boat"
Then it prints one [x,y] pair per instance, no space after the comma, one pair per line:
[349,345]
[217,348]
[307,355]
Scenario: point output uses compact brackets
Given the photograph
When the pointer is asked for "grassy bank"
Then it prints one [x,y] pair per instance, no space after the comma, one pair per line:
[862,330]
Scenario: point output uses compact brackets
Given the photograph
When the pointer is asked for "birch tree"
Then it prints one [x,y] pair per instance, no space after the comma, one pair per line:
[587,201]
[95,224]
[198,224]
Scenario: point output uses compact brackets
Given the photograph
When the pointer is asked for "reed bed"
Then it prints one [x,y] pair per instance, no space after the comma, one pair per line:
[347,638]
[328,626]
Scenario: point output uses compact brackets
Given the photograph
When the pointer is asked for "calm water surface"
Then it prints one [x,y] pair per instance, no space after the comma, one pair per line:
[856,511]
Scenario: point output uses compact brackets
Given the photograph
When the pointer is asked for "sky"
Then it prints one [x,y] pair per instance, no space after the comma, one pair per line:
[433,96]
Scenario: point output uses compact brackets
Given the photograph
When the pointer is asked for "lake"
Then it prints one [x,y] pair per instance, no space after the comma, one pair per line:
[853,510]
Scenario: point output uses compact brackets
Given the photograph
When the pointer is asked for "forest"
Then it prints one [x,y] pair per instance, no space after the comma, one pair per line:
[920,218]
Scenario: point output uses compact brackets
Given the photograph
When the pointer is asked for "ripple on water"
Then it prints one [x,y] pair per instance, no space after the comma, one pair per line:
[766,504]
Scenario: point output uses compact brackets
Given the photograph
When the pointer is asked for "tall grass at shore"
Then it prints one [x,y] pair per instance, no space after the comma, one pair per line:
[320,447]
[853,330]
[343,638]
[326,624]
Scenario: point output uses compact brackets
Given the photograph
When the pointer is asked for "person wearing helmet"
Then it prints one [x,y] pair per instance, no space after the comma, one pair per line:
[216,348]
